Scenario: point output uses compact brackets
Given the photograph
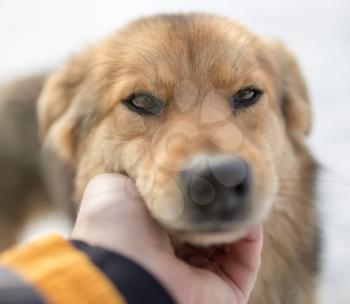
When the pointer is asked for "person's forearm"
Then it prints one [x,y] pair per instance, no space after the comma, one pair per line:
[57,271]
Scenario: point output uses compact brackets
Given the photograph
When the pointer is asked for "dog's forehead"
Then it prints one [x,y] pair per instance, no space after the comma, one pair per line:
[171,48]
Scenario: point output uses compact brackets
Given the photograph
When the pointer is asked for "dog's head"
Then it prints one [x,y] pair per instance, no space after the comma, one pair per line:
[199,111]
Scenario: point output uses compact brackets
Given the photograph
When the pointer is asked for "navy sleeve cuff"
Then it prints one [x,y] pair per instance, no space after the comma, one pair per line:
[135,283]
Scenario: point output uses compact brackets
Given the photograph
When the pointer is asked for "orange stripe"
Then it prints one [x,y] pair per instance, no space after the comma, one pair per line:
[60,273]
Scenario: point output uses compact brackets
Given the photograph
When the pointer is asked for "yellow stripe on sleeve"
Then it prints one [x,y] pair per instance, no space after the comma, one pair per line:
[60,273]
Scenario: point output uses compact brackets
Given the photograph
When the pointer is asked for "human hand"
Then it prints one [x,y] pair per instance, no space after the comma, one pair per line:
[114,217]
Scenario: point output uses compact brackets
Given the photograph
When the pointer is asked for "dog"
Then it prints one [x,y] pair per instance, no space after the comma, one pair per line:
[210,120]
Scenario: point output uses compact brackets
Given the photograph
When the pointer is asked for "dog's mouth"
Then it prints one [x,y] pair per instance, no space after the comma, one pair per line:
[208,234]
[186,251]
[206,243]
[207,227]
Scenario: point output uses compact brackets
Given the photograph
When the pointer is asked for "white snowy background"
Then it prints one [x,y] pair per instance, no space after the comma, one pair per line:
[39,34]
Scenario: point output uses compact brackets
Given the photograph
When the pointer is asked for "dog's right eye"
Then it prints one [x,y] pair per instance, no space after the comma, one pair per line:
[144,104]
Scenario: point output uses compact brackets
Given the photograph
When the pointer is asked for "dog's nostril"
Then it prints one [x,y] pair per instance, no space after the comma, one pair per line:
[241,189]
[202,192]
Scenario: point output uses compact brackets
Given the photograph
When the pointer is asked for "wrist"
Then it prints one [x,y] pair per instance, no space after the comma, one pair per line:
[132,279]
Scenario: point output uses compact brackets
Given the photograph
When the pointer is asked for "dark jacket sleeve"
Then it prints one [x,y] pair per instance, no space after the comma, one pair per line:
[52,270]
[134,282]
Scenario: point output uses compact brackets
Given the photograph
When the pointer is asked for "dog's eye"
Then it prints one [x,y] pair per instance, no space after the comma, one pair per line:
[144,104]
[246,97]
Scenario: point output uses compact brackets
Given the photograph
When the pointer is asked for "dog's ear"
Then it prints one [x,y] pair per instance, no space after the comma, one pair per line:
[65,107]
[291,90]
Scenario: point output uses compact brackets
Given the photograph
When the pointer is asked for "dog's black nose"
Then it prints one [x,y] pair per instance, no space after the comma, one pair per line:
[216,187]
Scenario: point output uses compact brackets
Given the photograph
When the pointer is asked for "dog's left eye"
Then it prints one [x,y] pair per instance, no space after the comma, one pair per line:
[246,97]
[144,104]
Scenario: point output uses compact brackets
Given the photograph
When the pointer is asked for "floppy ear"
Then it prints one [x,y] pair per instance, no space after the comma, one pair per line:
[292,91]
[65,107]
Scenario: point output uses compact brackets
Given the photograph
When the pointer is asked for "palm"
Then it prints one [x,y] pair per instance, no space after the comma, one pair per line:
[220,272]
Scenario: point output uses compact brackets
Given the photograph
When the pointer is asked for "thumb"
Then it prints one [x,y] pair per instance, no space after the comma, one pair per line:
[110,198]
[108,188]
[109,202]
[113,216]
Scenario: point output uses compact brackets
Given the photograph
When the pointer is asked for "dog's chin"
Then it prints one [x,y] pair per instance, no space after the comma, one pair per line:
[211,235]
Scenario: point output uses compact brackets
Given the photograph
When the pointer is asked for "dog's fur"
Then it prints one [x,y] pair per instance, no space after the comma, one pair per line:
[195,63]
[21,187]
[31,182]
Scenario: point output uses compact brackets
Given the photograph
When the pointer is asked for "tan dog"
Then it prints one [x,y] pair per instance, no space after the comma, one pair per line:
[209,120]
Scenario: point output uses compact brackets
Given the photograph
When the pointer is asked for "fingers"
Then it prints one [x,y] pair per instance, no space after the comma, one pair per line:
[247,251]
[241,261]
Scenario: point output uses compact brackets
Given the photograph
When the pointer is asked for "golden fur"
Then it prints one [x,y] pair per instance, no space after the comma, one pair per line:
[31,182]
[195,63]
